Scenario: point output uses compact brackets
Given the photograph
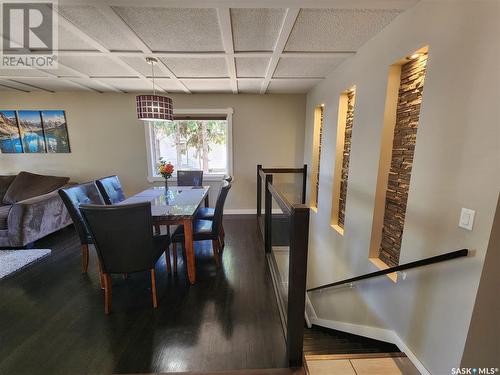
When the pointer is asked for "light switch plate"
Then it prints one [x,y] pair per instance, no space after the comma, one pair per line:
[467,218]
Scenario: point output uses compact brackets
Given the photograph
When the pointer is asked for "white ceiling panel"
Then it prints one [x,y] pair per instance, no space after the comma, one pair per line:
[251,66]
[208,85]
[249,86]
[67,40]
[96,66]
[91,83]
[175,29]
[50,84]
[337,29]
[140,64]
[256,29]
[92,22]
[315,66]
[292,86]
[22,73]
[169,85]
[127,84]
[197,67]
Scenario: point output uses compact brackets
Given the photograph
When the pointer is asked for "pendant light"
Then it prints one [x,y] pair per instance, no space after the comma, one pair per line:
[154,107]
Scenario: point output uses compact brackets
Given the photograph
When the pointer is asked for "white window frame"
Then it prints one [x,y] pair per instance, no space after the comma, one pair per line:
[228,112]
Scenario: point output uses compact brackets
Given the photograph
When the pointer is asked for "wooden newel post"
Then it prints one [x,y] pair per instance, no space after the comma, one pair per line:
[259,190]
[268,204]
[299,237]
[304,184]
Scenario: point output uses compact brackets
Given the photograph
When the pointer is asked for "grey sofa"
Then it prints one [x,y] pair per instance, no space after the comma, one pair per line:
[30,208]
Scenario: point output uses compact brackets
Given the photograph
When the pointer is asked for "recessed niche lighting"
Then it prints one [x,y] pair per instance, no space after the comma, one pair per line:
[414,56]
[322,105]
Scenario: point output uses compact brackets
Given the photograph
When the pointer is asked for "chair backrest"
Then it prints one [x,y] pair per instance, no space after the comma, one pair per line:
[189,178]
[111,189]
[73,197]
[123,236]
[228,178]
[219,207]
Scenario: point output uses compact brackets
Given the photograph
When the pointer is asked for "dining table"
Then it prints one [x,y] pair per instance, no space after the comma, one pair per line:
[175,205]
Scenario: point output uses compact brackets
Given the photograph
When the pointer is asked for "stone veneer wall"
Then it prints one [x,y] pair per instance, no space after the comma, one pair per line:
[322,110]
[403,147]
[345,156]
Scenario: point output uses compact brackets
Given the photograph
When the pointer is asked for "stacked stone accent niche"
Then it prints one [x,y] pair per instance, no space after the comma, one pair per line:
[345,157]
[319,155]
[403,147]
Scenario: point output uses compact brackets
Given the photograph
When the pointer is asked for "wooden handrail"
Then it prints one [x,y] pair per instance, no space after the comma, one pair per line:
[402,267]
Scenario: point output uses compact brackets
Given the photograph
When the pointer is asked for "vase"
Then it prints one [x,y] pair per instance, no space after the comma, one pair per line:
[166,184]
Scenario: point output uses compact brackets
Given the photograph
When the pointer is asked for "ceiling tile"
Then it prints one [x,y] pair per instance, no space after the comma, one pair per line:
[93,23]
[91,83]
[197,66]
[10,85]
[175,29]
[249,86]
[23,73]
[315,66]
[127,84]
[52,84]
[256,29]
[95,65]
[140,64]
[337,29]
[251,66]
[68,41]
[168,84]
[208,85]
[291,86]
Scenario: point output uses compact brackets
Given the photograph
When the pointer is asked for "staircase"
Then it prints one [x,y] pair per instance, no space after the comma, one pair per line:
[331,352]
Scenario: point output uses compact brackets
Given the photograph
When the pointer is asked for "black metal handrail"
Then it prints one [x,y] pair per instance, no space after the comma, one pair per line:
[402,267]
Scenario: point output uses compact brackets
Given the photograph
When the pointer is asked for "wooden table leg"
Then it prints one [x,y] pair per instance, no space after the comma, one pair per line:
[188,243]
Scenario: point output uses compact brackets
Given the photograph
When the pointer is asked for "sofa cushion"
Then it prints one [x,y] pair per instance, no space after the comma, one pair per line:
[4,214]
[28,185]
[5,182]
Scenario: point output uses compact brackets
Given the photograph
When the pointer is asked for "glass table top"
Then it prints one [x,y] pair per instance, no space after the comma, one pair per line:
[177,201]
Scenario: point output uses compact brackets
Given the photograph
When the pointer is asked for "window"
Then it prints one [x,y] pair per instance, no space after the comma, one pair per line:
[402,113]
[343,154]
[194,140]
[316,156]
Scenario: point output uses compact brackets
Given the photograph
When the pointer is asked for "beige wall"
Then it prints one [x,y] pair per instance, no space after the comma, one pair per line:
[481,348]
[456,165]
[106,138]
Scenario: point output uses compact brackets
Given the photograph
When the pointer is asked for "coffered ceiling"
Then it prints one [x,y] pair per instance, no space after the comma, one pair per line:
[230,46]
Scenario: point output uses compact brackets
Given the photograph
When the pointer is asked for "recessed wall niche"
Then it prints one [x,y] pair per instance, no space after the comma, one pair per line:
[343,153]
[402,113]
[316,155]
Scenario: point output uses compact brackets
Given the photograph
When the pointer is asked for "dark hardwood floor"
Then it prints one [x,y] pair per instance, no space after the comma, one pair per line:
[52,319]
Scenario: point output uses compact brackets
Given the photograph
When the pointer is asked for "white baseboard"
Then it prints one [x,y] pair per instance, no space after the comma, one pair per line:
[309,312]
[247,211]
[374,333]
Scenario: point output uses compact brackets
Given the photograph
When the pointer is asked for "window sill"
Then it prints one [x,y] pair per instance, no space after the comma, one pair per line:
[338,229]
[382,266]
[206,177]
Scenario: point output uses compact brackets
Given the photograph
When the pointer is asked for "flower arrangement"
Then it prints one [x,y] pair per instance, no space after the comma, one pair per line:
[165,169]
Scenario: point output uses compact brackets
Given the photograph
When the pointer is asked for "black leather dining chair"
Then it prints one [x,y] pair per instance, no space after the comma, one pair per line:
[124,240]
[111,189]
[207,213]
[189,178]
[205,229]
[73,197]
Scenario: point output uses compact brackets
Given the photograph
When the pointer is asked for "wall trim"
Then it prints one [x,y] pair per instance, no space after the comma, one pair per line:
[374,333]
[247,211]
